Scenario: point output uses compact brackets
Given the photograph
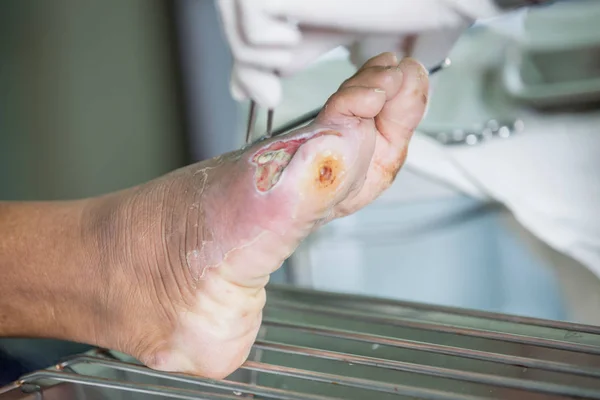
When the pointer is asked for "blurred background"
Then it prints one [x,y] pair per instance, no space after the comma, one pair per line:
[99,95]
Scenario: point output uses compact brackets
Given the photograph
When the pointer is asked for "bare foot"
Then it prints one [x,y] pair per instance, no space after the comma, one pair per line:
[191,252]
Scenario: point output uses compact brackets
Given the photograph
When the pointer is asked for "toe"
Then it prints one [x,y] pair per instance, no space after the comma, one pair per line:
[401,114]
[382,60]
[354,101]
[386,78]
[395,124]
[364,94]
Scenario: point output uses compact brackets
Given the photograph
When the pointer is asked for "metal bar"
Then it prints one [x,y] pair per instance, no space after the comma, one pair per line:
[358,383]
[242,388]
[473,377]
[257,357]
[567,326]
[8,388]
[249,389]
[65,377]
[349,308]
[435,327]
[517,361]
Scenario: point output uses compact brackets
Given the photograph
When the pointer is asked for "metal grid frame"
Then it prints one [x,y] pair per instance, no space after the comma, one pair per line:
[572,340]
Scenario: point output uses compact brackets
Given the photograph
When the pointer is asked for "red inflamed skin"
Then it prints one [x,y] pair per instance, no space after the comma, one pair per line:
[190,253]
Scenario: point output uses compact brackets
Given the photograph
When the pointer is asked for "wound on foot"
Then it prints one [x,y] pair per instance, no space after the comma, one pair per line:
[272,160]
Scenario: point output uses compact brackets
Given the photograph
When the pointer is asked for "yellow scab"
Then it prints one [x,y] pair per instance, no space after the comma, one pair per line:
[326,172]
[324,176]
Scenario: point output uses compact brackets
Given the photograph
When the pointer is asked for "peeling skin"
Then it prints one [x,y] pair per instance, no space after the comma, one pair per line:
[197,262]
[194,262]
[272,159]
[218,235]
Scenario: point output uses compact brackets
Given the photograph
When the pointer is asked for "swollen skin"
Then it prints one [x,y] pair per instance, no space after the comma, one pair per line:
[248,210]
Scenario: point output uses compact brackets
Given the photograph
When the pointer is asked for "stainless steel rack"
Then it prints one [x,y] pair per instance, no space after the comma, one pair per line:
[325,346]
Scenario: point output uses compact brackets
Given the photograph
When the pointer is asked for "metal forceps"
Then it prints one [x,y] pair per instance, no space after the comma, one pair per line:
[304,118]
[252,121]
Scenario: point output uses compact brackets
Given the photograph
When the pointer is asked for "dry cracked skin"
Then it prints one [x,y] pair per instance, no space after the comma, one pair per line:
[206,237]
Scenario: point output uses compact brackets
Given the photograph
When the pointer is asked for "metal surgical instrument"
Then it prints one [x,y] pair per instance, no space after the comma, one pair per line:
[252,121]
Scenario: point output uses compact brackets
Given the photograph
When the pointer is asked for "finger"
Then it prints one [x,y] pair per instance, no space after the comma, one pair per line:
[387,59]
[401,115]
[314,44]
[263,30]
[236,89]
[387,78]
[264,58]
[354,101]
[272,57]
[408,45]
[395,123]
[393,17]
[264,87]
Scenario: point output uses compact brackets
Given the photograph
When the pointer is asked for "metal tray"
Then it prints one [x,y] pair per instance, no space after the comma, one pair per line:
[323,346]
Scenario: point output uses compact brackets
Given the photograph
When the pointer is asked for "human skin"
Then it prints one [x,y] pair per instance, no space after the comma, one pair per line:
[173,271]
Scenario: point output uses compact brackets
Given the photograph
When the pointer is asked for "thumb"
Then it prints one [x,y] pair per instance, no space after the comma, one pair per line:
[236,89]
[261,29]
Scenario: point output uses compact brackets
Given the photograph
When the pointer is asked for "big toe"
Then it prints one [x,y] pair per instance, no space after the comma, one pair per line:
[403,112]
[332,156]
[365,94]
